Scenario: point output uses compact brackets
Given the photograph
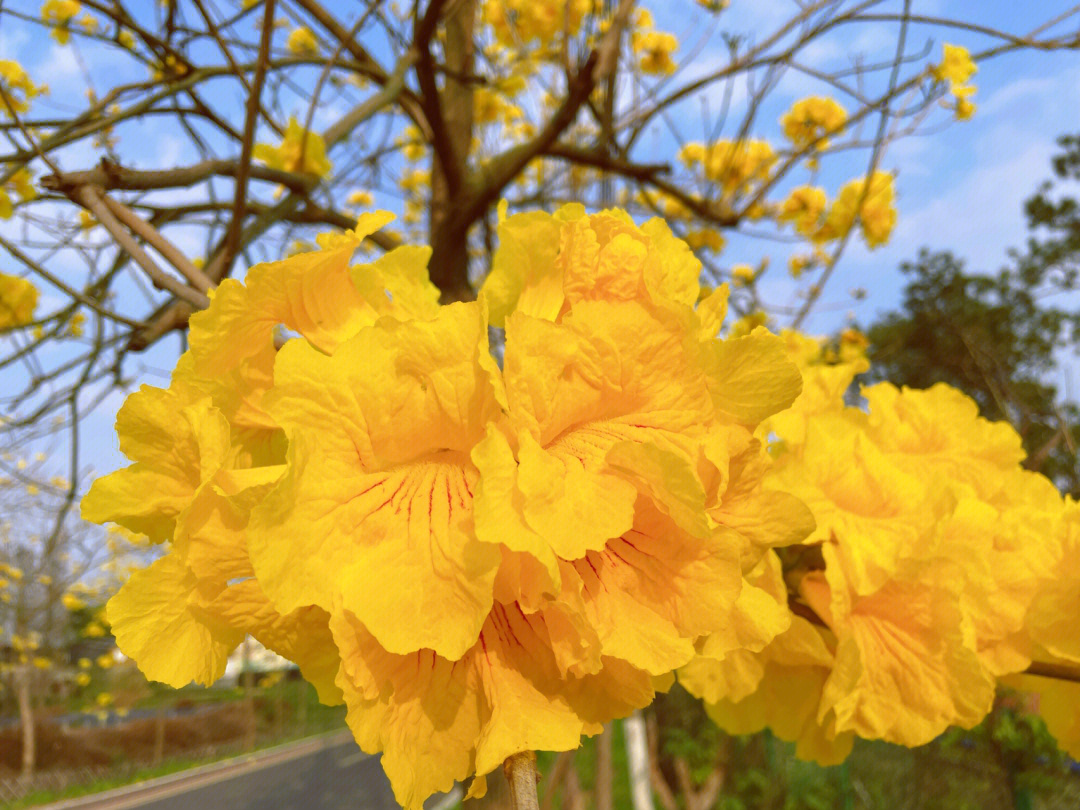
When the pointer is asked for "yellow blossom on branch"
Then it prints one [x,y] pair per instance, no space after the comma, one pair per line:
[810,120]
[957,68]
[654,50]
[18,300]
[300,151]
[16,88]
[525,22]
[58,14]
[804,208]
[876,217]
[302,42]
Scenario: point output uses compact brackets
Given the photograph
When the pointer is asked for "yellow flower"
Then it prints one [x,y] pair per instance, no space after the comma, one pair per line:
[742,273]
[877,217]
[415,180]
[126,39]
[83,679]
[58,14]
[41,662]
[16,88]
[706,240]
[22,182]
[965,109]
[103,699]
[412,143]
[300,151]
[387,482]
[547,263]
[302,42]
[105,661]
[736,166]
[804,207]
[18,300]
[903,671]
[1050,617]
[768,671]
[523,22]
[75,325]
[361,198]
[956,66]
[810,120]
[654,49]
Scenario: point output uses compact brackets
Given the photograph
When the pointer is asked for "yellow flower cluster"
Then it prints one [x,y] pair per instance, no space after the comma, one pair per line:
[525,22]
[807,209]
[489,105]
[876,217]
[810,120]
[938,565]
[16,88]
[22,184]
[654,50]
[300,151]
[18,299]
[957,68]
[735,165]
[478,559]
[58,15]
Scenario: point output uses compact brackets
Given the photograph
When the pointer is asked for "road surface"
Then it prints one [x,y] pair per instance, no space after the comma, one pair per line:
[320,774]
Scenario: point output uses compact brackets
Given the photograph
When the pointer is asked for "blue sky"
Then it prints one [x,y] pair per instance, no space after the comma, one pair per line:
[960,187]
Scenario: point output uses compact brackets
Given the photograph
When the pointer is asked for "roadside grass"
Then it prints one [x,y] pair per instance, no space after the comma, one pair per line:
[282,696]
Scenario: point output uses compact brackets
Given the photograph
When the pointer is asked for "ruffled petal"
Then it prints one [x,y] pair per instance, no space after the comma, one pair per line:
[156,622]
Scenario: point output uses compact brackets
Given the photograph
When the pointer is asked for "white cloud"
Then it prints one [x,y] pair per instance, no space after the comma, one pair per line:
[979,216]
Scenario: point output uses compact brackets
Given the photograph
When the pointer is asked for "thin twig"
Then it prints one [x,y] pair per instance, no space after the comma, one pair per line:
[91,200]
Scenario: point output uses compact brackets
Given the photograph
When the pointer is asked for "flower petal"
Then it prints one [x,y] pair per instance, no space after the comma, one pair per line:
[156,604]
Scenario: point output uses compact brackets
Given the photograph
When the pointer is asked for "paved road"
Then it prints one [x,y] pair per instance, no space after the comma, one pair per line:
[326,776]
[328,779]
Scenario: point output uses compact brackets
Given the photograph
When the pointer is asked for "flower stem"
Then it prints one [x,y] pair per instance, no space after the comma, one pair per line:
[520,770]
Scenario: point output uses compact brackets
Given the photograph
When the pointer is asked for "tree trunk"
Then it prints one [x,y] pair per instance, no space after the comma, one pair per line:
[159,736]
[637,761]
[22,676]
[449,266]
[602,790]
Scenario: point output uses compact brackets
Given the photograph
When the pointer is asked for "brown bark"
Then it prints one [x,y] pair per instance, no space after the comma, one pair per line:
[449,265]
[602,790]
[23,696]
